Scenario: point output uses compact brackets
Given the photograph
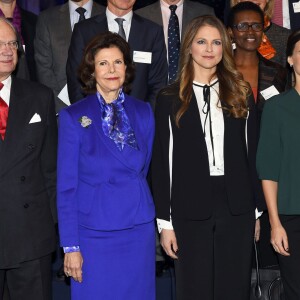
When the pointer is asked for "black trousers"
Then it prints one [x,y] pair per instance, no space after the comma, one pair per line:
[32,280]
[215,254]
[290,265]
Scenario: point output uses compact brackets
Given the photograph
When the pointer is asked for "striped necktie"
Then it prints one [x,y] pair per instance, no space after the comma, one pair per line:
[277,15]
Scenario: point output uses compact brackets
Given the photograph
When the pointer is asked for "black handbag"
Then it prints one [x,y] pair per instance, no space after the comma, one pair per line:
[266,283]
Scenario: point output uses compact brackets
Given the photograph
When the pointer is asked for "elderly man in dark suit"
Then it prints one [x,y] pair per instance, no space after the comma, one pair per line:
[53,36]
[25,23]
[146,41]
[28,142]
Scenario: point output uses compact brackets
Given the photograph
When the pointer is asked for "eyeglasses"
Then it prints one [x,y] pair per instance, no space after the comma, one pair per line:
[12,45]
[243,27]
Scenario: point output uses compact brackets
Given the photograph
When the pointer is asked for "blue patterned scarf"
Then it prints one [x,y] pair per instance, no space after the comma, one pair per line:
[115,122]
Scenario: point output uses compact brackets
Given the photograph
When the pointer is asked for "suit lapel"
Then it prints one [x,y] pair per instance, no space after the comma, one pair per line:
[18,118]
[156,14]
[135,33]
[64,20]
[97,9]
[134,121]
[185,18]
[94,112]
[192,118]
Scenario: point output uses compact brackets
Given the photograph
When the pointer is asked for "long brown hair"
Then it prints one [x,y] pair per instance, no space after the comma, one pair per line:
[233,89]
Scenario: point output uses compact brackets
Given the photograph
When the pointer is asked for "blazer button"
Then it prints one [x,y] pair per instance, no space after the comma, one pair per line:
[23,178]
[26,205]
[30,147]
[112,180]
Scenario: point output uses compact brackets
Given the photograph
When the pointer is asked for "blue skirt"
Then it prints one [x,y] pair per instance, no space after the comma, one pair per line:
[117,265]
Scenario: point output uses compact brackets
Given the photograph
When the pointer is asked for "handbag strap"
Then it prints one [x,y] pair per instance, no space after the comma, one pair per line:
[258,292]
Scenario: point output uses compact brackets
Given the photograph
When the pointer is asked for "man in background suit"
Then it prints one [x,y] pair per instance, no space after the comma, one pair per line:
[147,45]
[287,14]
[28,142]
[185,10]
[53,36]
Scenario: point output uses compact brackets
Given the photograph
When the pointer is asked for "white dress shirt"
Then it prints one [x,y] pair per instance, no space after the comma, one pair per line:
[217,123]
[286,14]
[113,25]
[74,15]
[5,92]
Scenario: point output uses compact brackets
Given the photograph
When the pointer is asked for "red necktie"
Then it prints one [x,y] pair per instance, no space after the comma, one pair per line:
[277,15]
[3,115]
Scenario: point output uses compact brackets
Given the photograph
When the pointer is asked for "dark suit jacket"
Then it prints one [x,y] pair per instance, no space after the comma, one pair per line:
[191,10]
[53,36]
[144,36]
[28,25]
[270,73]
[191,193]
[294,17]
[28,176]
[278,37]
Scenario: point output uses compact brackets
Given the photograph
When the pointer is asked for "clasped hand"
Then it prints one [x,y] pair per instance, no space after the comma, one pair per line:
[73,265]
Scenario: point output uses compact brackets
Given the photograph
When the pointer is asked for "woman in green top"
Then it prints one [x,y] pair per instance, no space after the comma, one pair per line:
[278,165]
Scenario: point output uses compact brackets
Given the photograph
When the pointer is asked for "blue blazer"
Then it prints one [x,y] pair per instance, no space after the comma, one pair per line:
[99,186]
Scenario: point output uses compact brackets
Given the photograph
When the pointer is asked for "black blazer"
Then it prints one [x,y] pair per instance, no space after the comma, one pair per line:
[28,176]
[294,17]
[144,36]
[270,73]
[191,182]
[28,25]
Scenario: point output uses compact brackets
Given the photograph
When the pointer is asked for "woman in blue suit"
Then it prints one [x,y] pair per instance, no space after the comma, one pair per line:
[105,207]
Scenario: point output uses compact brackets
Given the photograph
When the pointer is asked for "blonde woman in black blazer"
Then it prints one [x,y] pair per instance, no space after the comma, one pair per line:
[201,172]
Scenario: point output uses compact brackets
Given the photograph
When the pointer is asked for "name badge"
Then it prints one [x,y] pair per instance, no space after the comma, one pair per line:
[296,6]
[142,57]
[269,92]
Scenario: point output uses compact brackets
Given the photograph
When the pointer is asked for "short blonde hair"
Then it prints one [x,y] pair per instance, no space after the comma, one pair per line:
[268,11]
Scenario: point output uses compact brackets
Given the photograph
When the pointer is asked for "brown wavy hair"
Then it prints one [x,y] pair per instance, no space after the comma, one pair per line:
[268,11]
[87,66]
[233,90]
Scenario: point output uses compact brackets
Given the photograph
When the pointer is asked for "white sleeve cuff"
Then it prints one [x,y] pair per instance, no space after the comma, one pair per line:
[258,213]
[163,224]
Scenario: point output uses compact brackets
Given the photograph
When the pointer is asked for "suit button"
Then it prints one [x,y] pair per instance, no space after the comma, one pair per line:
[26,205]
[30,147]
[23,178]
[112,180]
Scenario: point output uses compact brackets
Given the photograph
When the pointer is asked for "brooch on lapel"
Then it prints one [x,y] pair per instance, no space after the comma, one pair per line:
[85,121]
